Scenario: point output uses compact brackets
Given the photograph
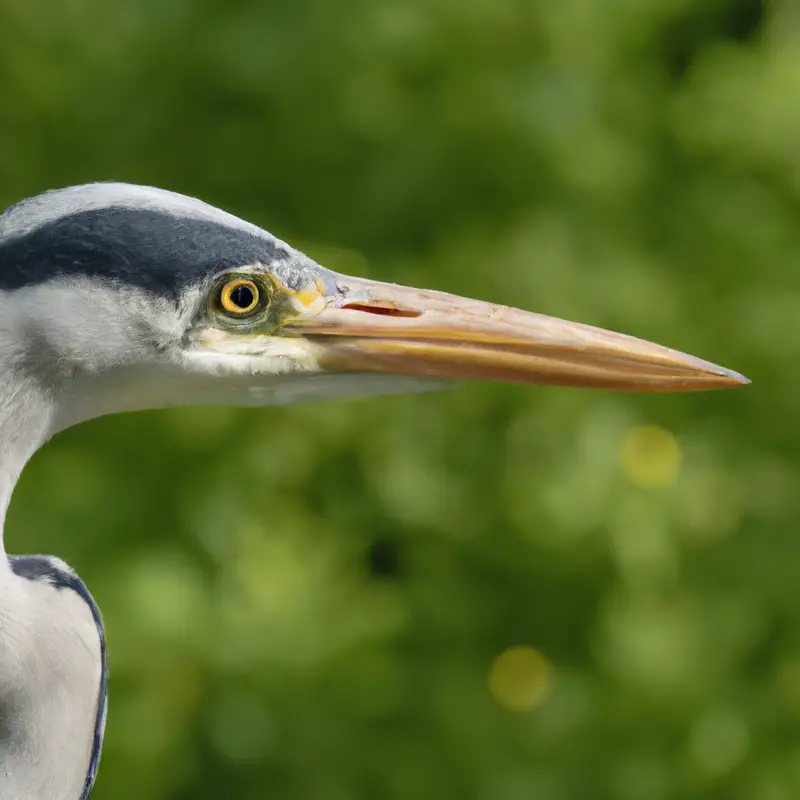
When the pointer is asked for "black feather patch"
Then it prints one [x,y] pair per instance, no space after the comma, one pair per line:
[148,249]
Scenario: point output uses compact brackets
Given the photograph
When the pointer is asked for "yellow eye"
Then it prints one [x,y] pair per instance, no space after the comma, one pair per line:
[239,296]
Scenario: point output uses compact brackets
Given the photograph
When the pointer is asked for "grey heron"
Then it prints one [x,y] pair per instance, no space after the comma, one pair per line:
[116,297]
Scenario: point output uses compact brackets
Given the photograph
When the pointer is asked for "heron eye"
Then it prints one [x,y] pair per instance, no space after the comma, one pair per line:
[239,296]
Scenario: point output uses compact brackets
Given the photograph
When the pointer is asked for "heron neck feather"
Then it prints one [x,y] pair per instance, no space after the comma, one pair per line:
[25,421]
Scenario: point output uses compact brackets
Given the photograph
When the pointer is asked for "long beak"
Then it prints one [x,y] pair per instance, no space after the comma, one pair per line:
[366,326]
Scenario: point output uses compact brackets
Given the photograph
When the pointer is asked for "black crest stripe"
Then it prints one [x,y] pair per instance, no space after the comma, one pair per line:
[148,249]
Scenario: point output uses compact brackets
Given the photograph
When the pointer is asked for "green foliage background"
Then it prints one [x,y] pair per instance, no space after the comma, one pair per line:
[305,602]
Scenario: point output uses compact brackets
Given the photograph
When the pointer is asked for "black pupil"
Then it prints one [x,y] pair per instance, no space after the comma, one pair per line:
[242,296]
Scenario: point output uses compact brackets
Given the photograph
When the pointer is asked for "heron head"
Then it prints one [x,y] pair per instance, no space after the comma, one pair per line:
[120,297]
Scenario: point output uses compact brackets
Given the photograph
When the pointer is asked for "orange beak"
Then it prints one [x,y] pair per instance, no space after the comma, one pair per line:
[367,326]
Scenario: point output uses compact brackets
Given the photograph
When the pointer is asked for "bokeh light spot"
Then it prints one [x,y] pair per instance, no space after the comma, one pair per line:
[520,679]
[651,456]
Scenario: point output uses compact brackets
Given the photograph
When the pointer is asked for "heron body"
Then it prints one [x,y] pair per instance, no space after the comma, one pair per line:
[115,298]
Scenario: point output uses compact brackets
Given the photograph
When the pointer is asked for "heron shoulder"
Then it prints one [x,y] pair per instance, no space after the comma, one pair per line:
[52,585]
[47,579]
[54,572]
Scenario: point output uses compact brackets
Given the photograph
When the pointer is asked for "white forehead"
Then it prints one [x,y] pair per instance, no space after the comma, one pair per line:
[51,206]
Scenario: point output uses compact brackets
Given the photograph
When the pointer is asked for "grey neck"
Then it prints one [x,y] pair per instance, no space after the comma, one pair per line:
[26,415]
